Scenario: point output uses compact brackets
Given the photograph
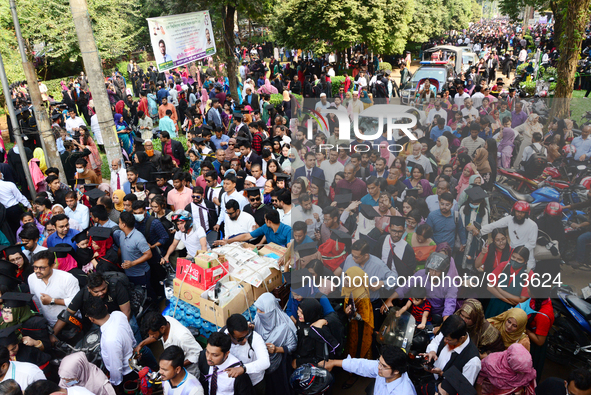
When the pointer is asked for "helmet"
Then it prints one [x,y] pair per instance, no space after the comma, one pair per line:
[310,380]
[553,209]
[437,261]
[544,94]
[182,215]
[569,149]
[522,206]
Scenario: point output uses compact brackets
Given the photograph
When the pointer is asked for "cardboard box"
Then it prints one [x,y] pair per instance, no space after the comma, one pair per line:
[198,276]
[212,312]
[273,248]
[187,292]
[268,285]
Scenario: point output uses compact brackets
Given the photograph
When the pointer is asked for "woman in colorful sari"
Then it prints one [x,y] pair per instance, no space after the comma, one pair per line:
[422,244]
[123,132]
[485,336]
[360,313]
[38,154]
[267,88]
[94,159]
[505,148]
[508,372]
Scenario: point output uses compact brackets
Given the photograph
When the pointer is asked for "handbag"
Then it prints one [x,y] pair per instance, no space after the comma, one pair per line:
[546,248]
[282,293]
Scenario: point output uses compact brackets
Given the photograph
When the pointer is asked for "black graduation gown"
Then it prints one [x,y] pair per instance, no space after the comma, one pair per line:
[32,355]
[14,160]
[405,266]
[259,214]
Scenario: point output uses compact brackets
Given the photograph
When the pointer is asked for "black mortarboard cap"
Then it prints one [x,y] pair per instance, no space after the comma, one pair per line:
[56,116]
[207,127]
[511,89]
[240,138]
[476,193]
[9,282]
[277,138]
[254,191]
[62,250]
[10,249]
[368,211]
[344,199]
[99,232]
[306,249]
[9,336]
[161,174]
[7,269]
[155,190]
[340,236]
[244,112]
[16,299]
[95,193]
[411,192]
[454,382]
[238,115]
[396,220]
[80,237]
[89,187]
[197,140]
[282,176]
[372,237]
[302,129]
[318,181]
[297,278]
[270,107]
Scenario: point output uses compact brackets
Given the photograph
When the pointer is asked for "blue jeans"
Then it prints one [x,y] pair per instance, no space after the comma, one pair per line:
[582,242]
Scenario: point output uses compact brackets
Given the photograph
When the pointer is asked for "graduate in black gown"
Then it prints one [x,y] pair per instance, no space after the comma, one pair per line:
[23,348]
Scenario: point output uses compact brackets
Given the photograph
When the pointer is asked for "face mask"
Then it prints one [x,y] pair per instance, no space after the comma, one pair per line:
[236,153]
[80,170]
[139,217]
[150,152]
[290,159]
[474,205]
[516,265]
[72,383]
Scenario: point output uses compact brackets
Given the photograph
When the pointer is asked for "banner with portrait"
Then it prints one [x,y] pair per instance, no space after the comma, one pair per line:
[181,39]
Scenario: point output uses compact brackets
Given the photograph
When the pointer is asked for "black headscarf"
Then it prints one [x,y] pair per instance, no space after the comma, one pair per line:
[312,310]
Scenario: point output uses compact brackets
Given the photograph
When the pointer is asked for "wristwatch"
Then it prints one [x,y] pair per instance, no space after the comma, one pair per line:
[52,301]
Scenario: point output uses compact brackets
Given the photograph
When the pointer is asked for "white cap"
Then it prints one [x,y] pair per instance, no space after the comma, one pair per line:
[251,179]
[323,95]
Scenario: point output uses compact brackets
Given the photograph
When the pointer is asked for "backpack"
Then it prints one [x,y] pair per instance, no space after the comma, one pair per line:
[536,163]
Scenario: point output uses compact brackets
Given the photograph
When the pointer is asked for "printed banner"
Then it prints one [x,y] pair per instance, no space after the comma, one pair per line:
[181,39]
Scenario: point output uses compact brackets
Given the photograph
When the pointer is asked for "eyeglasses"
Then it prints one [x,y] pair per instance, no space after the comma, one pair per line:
[255,199]
[240,339]
[231,145]
[40,268]
[196,196]
[16,260]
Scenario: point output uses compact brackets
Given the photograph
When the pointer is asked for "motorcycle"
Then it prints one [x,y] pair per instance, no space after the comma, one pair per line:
[570,337]
[89,345]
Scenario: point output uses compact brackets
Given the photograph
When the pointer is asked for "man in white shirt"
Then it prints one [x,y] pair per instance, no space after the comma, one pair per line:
[117,340]
[331,167]
[433,200]
[10,197]
[42,386]
[30,238]
[470,111]
[323,103]
[529,150]
[477,97]
[217,365]
[338,104]
[257,172]
[355,105]
[420,159]
[176,380]
[250,349]
[522,230]
[172,333]
[437,111]
[452,339]
[118,175]
[194,238]
[237,221]
[52,289]
[96,129]
[284,207]
[309,213]
[23,373]
[231,194]
[74,122]
[75,211]
[522,56]
[362,81]
[460,96]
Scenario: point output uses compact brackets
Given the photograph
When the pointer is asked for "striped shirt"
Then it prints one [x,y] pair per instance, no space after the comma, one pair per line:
[417,311]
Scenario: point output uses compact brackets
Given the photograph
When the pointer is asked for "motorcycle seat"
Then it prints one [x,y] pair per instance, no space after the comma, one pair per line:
[580,305]
[519,196]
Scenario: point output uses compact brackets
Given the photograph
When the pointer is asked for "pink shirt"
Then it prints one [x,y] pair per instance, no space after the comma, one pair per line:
[179,200]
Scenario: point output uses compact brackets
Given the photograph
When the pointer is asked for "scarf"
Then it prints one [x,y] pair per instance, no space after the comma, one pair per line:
[499,322]
[120,194]
[38,153]
[312,311]
[89,376]
[481,161]
[464,181]
[481,332]
[103,245]
[119,107]
[512,368]
[19,315]
[442,154]
[357,276]
[507,141]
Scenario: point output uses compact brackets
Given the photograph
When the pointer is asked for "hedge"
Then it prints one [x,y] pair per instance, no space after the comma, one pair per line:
[276,99]
[385,66]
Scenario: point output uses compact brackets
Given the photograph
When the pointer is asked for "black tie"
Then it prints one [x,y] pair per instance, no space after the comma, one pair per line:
[201,219]
[214,381]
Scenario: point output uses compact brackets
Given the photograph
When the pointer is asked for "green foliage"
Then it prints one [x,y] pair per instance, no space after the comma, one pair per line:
[276,99]
[385,66]
[528,87]
[550,72]
[520,68]
[325,26]
[457,15]
[476,11]
[427,21]
[337,82]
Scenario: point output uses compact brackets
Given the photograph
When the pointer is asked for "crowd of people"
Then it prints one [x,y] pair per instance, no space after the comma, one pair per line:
[249,171]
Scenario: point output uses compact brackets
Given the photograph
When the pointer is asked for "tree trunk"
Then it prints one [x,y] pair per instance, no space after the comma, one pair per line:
[570,47]
[228,46]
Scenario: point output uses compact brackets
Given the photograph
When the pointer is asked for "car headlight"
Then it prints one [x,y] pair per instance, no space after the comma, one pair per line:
[405,93]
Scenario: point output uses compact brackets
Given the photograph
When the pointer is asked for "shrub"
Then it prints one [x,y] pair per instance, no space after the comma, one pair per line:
[276,99]
[528,87]
[385,66]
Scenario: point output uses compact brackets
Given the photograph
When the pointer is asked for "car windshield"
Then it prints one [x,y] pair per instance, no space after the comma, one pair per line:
[467,58]
[438,74]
